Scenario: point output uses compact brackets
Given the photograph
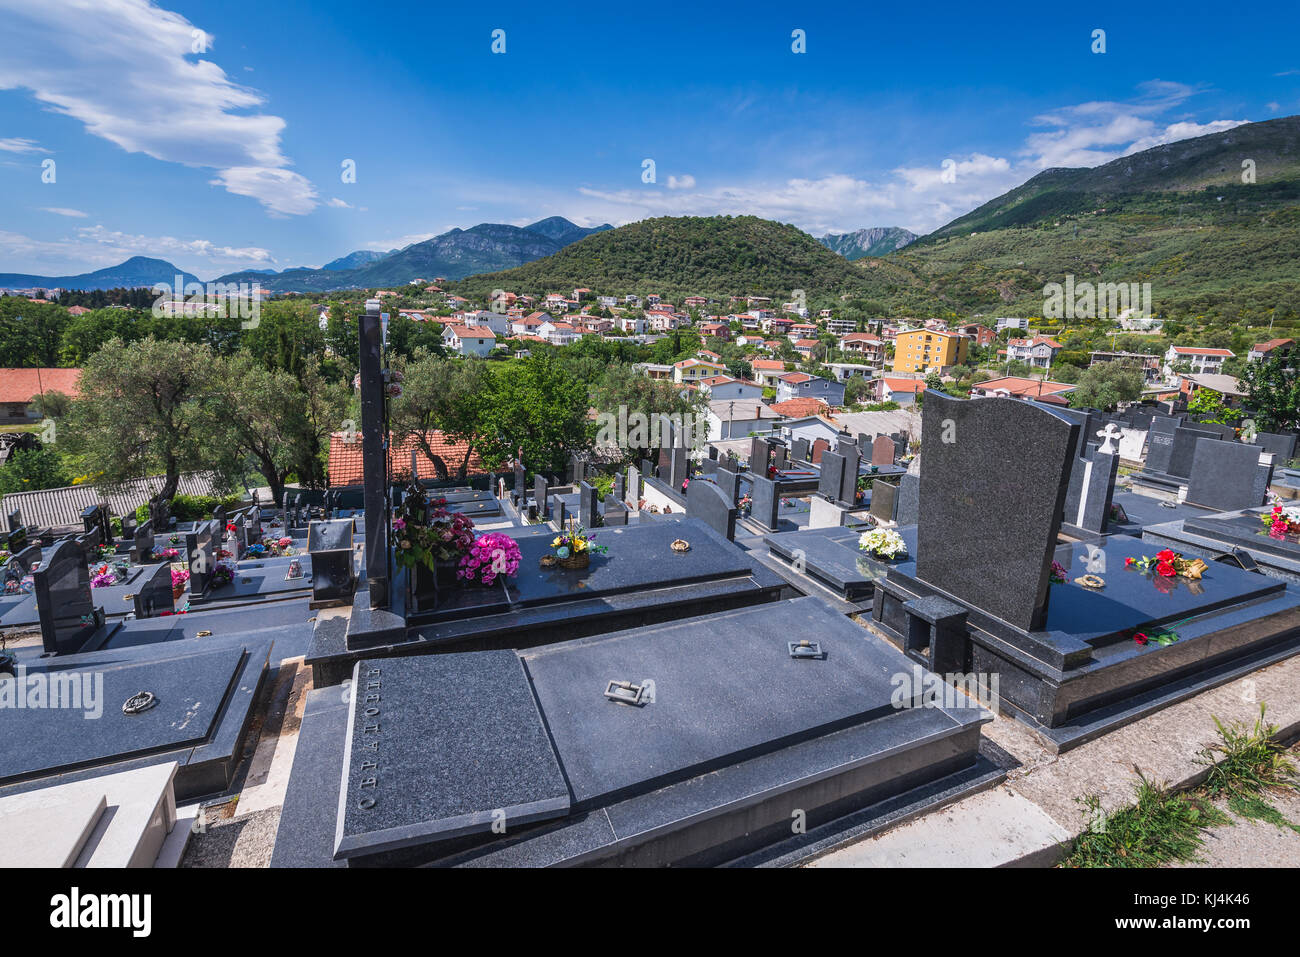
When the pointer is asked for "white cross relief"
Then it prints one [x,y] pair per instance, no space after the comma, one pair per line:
[1110,435]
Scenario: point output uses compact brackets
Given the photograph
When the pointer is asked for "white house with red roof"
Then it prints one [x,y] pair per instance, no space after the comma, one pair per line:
[767,371]
[720,387]
[801,385]
[1198,359]
[693,370]
[529,324]
[469,340]
[1266,350]
[866,344]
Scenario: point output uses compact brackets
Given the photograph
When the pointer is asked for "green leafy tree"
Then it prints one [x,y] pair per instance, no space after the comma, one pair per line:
[148,408]
[537,411]
[452,396]
[623,386]
[1105,385]
[31,469]
[1208,406]
[1273,390]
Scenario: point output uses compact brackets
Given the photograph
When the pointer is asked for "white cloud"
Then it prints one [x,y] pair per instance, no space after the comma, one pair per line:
[920,198]
[63,211]
[20,145]
[338,203]
[681,182]
[93,247]
[125,69]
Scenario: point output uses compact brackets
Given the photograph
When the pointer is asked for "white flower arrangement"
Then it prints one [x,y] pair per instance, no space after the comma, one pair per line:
[883,542]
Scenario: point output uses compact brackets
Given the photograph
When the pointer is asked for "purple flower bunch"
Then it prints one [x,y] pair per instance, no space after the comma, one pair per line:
[491,555]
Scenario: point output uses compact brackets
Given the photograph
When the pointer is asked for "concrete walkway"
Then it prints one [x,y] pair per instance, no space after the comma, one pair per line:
[1024,821]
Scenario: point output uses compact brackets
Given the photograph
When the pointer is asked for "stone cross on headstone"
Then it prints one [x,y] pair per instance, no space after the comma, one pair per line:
[1110,436]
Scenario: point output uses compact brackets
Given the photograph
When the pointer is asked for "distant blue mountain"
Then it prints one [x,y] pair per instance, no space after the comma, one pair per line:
[136,271]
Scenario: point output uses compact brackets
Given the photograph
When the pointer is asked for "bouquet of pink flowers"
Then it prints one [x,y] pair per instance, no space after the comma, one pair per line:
[179,579]
[103,577]
[492,555]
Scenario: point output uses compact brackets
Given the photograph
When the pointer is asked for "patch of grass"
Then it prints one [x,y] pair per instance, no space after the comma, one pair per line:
[1251,760]
[1254,808]
[1163,826]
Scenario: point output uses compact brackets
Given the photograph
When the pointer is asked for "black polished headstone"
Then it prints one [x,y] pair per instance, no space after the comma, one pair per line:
[588,512]
[201,552]
[729,482]
[992,492]
[1160,443]
[153,594]
[1282,445]
[678,468]
[1226,476]
[541,496]
[142,544]
[1091,490]
[1184,451]
[884,500]
[707,502]
[67,611]
[778,456]
[760,455]
[799,450]
[615,511]
[619,490]
[765,501]
[329,543]
[907,511]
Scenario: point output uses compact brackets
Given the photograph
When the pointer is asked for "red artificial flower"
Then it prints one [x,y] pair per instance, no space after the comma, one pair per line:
[1166,568]
[1140,638]
[1130,561]
[1165,556]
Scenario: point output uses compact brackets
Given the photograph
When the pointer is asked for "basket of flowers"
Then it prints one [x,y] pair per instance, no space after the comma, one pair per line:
[1282,522]
[431,535]
[574,547]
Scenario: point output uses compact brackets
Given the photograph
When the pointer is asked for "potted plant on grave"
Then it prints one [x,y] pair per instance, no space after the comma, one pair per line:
[883,543]
[430,536]
[489,556]
[180,578]
[573,548]
[223,574]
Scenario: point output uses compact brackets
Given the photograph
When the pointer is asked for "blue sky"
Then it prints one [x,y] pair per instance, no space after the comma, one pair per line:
[232,158]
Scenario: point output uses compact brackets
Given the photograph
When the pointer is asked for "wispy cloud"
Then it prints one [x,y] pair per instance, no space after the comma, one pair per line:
[128,70]
[921,198]
[64,211]
[93,247]
[20,145]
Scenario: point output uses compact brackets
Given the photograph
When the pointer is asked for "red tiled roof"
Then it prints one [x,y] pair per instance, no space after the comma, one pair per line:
[1198,351]
[904,385]
[767,365]
[345,459]
[1017,385]
[20,385]
[861,337]
[799,408]
[795,377]
[472,332]
[1271,345]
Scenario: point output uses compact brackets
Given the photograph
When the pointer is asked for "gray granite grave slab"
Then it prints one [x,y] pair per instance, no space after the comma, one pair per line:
[441,746]
[1160,443]
[1184,450]
[799,450]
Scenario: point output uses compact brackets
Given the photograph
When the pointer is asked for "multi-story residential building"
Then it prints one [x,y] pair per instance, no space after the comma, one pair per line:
[900,389]
[693,370]
[868,345]
[1037,352]
[558,333]
[976,333]
[653,371]
[803,330]
[844,371]
[528,325]
[767,371]
[1012,323]
[1150,365]
[801,385]
[920,350]
[469,340]
[607,302]
[838,327]
[805,347]
[720,387]
[1197,359]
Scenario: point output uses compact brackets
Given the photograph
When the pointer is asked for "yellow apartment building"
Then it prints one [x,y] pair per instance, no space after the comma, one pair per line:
[923,349]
